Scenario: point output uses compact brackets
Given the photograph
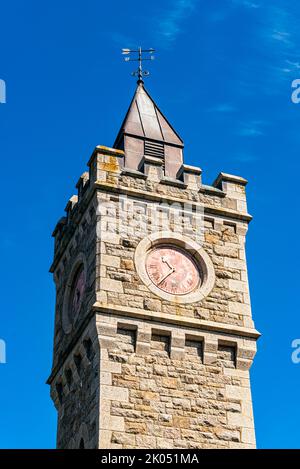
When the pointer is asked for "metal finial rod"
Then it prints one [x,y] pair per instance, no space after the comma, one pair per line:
[140,73]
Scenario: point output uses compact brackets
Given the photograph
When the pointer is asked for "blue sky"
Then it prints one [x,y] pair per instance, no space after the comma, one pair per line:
[222,75]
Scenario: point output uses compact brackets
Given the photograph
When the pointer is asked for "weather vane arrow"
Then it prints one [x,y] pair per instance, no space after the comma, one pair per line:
[140,73]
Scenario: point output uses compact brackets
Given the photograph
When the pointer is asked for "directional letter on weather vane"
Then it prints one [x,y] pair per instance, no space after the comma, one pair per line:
[140,73]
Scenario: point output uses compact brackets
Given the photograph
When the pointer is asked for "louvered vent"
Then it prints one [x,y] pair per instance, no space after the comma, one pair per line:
[154,149]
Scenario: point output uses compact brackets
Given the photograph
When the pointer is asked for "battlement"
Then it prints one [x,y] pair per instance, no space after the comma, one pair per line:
[108,171]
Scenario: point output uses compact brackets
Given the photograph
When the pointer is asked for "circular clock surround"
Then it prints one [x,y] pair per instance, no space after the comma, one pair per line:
[174,267]
[74,293]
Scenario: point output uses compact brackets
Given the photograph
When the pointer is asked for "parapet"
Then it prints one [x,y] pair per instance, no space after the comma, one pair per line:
[107,168]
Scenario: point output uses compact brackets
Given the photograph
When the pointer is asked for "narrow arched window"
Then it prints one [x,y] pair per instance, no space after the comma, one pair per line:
[81,444]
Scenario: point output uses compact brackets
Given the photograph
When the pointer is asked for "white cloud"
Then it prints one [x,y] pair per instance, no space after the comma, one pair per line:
[282,36]
[252,129]
[170,23]
[295,65]
[279,27]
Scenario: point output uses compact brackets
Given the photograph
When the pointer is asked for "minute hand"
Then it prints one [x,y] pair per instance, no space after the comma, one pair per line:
[167,275]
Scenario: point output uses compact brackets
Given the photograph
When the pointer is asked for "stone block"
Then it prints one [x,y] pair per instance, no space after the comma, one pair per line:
[181,422]
[111,422]
[110,261]
[105,378]
[108,284]
[177,353]
[152,305]
[122,438]
[226,251]
[114,393]
[142,348]
[110,366]
[239,420]
[105,439]
[145,441]
[163,443]
[248,436]
[238,286]
[237,392]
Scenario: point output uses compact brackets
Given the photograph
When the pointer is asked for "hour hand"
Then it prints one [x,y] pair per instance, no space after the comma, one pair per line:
[168,263]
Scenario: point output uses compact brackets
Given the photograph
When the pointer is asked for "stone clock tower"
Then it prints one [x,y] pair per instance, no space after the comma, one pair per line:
[153,330]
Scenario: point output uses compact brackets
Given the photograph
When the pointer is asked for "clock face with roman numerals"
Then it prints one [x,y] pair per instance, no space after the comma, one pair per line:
[173,270]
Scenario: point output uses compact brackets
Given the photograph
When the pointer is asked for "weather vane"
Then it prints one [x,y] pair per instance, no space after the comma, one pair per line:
[140,73]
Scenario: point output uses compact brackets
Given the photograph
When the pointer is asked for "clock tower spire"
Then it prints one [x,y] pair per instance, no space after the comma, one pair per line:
[147,133]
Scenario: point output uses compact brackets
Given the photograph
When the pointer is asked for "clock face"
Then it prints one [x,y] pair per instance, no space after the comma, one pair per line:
[172,270]
[77,292]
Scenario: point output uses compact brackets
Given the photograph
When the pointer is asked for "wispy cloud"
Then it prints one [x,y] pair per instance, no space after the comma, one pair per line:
[171,21]
[294,65]
[122,40]
[223,108]
[252,129]
[281,34]
[279,25]
[246,3]
[222,13]
[249,132]
[276,34]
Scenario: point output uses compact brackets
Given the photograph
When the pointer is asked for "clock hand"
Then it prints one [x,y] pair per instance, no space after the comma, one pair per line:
[167,275]
[167,262]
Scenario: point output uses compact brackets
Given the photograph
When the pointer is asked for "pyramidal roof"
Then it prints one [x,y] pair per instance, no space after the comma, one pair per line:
[145,120]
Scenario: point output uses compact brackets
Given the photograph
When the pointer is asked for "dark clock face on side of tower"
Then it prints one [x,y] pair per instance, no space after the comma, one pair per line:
[173,270]
[77,292]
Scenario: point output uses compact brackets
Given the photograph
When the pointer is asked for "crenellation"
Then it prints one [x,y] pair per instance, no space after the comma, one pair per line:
[190,176]
[70,207]
[152,168]
[105,161]
[82,185]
